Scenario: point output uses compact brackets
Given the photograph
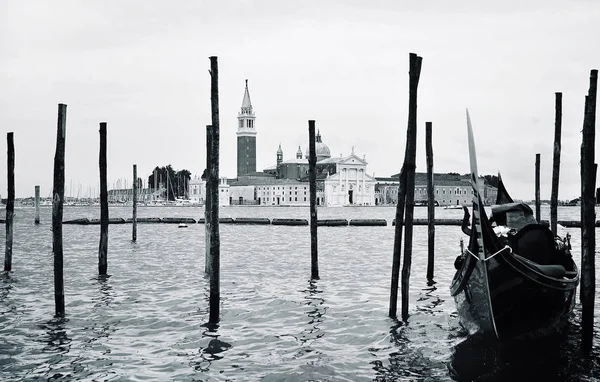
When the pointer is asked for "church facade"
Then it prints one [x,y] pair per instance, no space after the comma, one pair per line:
[350,184]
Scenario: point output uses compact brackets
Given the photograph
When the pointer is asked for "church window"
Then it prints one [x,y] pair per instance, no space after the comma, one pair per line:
[437,192]
[296,199]
[444,191]
[241,123]
[305,199]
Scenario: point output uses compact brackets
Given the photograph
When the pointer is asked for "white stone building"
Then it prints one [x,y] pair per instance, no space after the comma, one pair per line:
[350,185]
[223,192]
[197,191]
[287,192]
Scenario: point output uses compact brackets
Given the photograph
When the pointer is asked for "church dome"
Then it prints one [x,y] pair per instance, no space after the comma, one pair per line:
[321,149]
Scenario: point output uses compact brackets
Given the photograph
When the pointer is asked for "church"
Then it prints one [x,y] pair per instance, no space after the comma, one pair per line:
[341,181]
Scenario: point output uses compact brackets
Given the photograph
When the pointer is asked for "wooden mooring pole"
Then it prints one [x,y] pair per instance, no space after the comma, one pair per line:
[410,167]
[588,216]
[58,198]
[430,202]
[405,203]
[213,176]
[556,162]
[36,219]
[397,244]
[538,213]
[134,217]
[10,202]
[312,179]
[103,247]
[207,202]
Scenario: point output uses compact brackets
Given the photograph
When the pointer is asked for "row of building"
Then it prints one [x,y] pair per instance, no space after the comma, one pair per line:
[449,190]
[341,181]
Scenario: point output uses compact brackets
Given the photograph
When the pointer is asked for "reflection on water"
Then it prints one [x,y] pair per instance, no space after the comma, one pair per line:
[6,285]
[106,295]
[56,347]
[147,320]
[419,341]
[56,339]
[212,351]
[316,310]
[479,359]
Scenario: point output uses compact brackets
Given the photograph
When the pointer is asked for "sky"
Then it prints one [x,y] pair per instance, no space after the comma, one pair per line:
[142,67]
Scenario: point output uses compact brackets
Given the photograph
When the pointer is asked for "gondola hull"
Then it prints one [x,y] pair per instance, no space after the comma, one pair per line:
[518,302]
[471,294]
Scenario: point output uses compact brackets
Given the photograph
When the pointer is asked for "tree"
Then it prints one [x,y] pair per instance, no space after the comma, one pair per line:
[183,180]
[492,180]
[174,182]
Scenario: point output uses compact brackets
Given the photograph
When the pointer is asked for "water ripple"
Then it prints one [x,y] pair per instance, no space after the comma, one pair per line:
[147,320]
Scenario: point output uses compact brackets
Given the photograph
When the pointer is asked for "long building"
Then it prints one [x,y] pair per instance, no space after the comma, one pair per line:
[450,189]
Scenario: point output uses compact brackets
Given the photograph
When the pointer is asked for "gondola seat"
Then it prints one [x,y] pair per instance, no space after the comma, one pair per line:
[554,270]
[535,243]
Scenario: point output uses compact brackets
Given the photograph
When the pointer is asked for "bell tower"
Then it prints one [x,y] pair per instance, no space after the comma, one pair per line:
[246,137]
[279,155]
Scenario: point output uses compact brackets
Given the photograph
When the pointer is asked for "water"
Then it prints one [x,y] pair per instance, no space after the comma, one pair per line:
[147,320]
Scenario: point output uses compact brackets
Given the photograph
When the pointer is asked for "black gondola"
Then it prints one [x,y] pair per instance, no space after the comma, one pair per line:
[515,280]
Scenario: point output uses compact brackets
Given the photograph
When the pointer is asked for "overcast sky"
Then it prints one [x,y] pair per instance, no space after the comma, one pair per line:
[142,66]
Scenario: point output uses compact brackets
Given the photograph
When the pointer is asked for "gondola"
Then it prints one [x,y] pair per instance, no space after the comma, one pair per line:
[515,279]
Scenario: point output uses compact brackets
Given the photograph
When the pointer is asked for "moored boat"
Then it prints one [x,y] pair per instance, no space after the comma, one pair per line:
[515,279]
